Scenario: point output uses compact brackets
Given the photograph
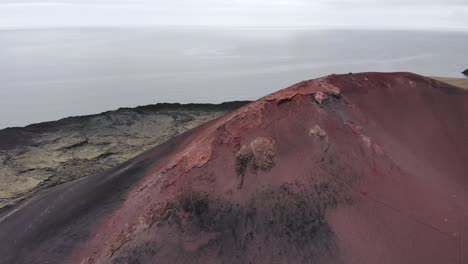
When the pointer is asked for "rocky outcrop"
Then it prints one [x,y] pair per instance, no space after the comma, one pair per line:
[40,156]
[358,168]
[465,72]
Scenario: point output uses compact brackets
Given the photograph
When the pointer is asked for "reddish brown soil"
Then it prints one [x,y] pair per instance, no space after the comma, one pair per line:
[361,168]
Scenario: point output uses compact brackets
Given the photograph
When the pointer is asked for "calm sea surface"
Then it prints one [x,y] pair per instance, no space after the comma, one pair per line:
[50,74]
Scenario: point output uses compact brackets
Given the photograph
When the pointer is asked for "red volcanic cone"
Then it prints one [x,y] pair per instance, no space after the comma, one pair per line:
[363,168]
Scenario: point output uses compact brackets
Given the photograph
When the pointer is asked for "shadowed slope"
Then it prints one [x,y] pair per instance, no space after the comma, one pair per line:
[364,168]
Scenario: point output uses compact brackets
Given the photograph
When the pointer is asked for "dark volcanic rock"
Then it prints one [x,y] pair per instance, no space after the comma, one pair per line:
[40,156]
[359,168]
[465,72]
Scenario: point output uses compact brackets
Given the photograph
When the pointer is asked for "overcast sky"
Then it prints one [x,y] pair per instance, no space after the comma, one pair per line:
[418,14]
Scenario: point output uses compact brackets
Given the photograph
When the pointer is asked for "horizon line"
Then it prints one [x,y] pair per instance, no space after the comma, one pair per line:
[271,27]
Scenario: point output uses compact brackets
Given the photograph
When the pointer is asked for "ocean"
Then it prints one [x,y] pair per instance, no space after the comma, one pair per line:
[54,73]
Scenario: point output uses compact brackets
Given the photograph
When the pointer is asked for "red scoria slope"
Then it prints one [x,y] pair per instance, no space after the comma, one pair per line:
[358,168]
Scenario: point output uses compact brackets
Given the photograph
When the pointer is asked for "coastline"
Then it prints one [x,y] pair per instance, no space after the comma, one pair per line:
[43,155]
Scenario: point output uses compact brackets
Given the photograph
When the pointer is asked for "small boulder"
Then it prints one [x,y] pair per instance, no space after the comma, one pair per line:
[465,72]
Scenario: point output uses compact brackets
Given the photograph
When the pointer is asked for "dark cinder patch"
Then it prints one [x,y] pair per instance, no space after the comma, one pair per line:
[286,222]
[259,154]
[330,99]
[76,145]
[11,138]
[244,159]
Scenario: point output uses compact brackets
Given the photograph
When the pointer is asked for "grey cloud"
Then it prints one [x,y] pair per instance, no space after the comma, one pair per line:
[400,2]
[391,13]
